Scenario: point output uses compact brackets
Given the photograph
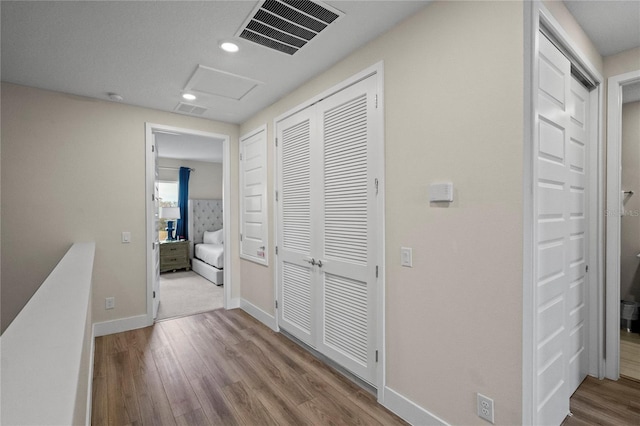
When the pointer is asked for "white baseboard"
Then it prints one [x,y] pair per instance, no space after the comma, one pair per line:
[120,325]
[409,410]
[265,318]
[233,303]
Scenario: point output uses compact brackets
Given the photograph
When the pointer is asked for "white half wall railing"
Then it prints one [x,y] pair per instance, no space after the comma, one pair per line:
[46,350]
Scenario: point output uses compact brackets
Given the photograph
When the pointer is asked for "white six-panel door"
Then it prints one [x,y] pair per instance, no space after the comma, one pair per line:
[327,216]
[561,279]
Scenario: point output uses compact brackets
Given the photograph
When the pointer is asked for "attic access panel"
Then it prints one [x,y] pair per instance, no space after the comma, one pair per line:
[287,25]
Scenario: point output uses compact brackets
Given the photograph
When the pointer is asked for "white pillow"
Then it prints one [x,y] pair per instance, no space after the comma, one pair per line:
[213,237]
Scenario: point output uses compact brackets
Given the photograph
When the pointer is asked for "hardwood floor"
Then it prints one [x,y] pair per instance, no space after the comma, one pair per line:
[605,402]
[221,367]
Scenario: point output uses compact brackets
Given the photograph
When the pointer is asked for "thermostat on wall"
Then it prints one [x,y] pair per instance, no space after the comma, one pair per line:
[441,192]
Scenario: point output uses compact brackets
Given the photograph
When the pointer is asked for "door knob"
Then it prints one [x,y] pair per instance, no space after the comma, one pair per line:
[312,261]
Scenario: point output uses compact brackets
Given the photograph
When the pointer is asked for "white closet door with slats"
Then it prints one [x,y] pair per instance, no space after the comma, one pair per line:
[296,215]
[562,249]
[348,218]
[327,217]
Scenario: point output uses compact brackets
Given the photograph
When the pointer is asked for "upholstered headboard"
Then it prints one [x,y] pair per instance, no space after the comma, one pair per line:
[204,215]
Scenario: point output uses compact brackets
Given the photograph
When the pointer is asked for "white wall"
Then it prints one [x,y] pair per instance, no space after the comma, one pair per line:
[453,110]
[204,184]
[73,169]
[630,223]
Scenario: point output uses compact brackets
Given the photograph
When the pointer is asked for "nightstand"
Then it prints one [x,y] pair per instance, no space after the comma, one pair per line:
[174,255]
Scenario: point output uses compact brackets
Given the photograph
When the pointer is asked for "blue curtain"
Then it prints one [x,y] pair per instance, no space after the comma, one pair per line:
[183,203]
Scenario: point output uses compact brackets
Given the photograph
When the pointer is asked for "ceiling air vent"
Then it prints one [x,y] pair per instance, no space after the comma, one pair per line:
[287,25]
[189,109]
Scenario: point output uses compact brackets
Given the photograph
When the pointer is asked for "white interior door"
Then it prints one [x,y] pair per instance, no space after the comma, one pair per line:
[156,242]
[347,265]
[295,216]
[328,219]
[577,307]
[561,279]
[253,202]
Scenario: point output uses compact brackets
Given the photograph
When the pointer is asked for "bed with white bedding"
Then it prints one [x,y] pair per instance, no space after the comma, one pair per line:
[205,237]
[213,254]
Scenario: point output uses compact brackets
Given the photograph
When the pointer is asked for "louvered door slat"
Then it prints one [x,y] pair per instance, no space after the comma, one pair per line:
[296,183]
[345,180]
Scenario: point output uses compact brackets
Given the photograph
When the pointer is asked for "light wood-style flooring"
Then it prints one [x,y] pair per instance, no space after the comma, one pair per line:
[630,354]
[605,402]
[221,367]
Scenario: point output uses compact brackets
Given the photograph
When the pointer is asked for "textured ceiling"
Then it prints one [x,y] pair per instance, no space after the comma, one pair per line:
[147,51]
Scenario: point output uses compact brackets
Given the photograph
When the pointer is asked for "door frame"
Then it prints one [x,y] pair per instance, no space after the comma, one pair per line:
[378,70]
[614,200]
[536,15]
[149,211]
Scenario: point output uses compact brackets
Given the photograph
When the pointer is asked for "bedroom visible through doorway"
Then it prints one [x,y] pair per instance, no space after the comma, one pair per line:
[185,177]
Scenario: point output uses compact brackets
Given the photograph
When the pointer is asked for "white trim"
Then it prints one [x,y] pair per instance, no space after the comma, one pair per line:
[265,208]
[614,175]
[226,219]
[380,167]
[409,410]
[226,202]
[529,206]
[535,15]
[122,324]
[262,316]
[233,303]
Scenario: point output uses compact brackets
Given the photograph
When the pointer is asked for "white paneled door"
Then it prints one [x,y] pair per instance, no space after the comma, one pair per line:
[253,199]
[328,216]
[562,240]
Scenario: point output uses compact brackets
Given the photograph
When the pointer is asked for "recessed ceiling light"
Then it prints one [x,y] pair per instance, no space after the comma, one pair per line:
[189,96]
[227,46]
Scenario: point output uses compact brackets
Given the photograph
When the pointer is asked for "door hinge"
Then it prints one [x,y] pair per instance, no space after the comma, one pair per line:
[376,101]
[276,304]
[154,294]
[276,141]
[240,157]
[376,271]
[586,269]
[153,197]
[376,355]
[153,148]
[240,237]
[276,250]
[376,183]
[276,195]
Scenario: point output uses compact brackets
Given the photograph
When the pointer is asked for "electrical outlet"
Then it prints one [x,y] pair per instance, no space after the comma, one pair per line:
[485,408]
[110,303]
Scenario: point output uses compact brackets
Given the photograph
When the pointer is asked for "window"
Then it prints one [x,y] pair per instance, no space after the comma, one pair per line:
[167,197]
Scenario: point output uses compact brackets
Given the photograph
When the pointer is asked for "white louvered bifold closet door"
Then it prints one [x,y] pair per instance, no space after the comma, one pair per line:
[296,215]
[348,221]
[561,281]
[327,216]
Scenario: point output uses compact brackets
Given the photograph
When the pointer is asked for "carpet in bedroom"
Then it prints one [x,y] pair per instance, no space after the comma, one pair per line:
[187,293]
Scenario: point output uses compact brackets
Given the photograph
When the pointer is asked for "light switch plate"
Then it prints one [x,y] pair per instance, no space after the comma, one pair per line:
[126,237]
[406,257]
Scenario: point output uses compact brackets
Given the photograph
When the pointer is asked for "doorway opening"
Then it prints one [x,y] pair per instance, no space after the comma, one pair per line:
[200,161]
[623,190]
